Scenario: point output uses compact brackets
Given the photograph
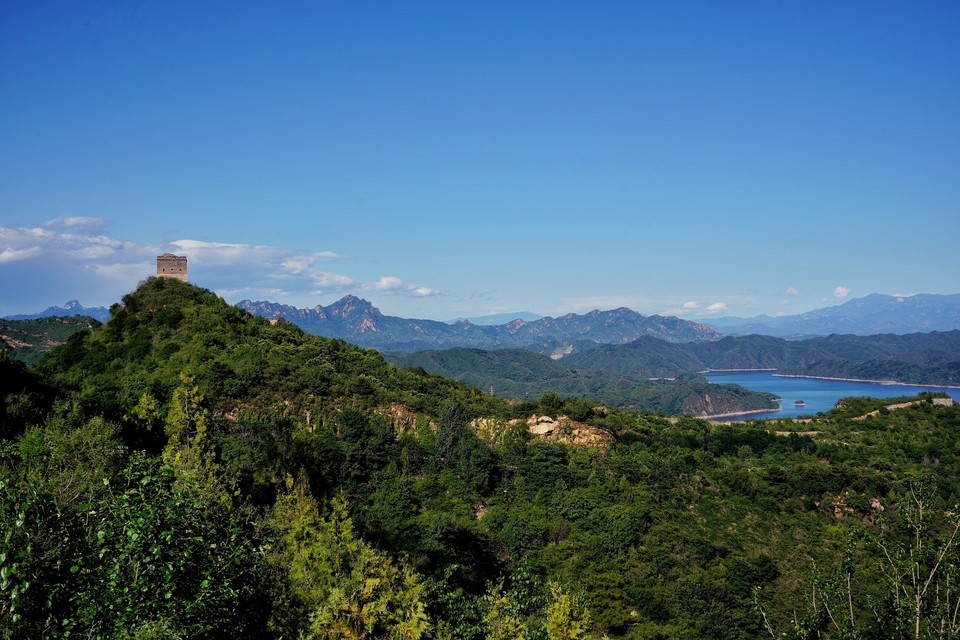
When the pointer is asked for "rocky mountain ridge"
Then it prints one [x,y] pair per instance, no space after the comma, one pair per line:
[69,309]
[358,321]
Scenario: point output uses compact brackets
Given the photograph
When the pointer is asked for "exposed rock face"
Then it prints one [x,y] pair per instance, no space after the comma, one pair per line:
[491,430]
[568,431]
[560,429]
[403,419]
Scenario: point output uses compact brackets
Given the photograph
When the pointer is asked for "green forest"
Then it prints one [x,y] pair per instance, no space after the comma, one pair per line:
[518,373]
[186,470]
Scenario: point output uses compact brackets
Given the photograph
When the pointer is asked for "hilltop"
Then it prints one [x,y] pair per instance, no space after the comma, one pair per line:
[242,363]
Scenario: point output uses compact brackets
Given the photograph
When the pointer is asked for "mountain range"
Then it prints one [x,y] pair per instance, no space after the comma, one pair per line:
[521,374]
[918,358]
[71,308]
[500,318]
[357,321]
[870,315]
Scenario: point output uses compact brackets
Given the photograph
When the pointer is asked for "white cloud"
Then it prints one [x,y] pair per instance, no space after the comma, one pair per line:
[27,242]
[841,292]
[386,283]
[716,307]
[202,252]
[125,271]
[11,255]
[74,258]
[326,279]
[690,305]
[792,291]
[300,264]
[393,284]
[81,224]
[95,248]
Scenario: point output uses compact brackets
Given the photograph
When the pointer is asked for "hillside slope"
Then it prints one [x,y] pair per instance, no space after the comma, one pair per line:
[517,373]
[241,363]
[28,340]
[161,477]
[923,358]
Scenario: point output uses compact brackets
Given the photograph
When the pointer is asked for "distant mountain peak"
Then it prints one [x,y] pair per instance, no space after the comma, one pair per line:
[870,315]
[356,320]
[69,308]
[350,305]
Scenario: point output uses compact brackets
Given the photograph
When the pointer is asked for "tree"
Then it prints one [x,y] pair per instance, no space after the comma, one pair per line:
[503,621]
[188,452]
[346,588]
[158,554]
[922,574]
[567,617]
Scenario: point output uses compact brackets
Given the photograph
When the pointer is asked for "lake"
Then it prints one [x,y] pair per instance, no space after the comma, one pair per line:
[819,395]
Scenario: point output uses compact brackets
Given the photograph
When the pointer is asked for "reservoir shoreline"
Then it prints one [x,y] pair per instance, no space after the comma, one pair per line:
[888,383]
[809,377]
[818,394]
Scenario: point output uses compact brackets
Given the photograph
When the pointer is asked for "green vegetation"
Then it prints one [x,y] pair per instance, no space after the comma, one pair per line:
[28,340]
[919,358]
[517,373]
[188,471]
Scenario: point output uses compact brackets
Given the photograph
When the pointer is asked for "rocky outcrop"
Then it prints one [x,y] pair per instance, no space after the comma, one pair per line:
[403,419]
[568,431]
[560,429]
[492,430]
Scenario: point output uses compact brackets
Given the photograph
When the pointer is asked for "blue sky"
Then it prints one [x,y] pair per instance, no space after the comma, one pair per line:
[452,159]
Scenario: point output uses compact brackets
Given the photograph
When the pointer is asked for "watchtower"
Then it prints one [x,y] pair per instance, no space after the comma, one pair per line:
[171,266]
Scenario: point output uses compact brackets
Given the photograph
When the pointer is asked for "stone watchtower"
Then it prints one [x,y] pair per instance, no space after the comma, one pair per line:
[171,266]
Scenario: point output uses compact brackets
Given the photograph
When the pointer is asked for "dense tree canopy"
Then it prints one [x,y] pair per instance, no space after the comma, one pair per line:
[187,471]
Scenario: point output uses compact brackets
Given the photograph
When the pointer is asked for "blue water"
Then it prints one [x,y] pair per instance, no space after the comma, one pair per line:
[819,395]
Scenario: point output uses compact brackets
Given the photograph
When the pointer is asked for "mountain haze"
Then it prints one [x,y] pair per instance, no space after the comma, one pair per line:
[500,318]
[70,308]
[872,314]
[358,321]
